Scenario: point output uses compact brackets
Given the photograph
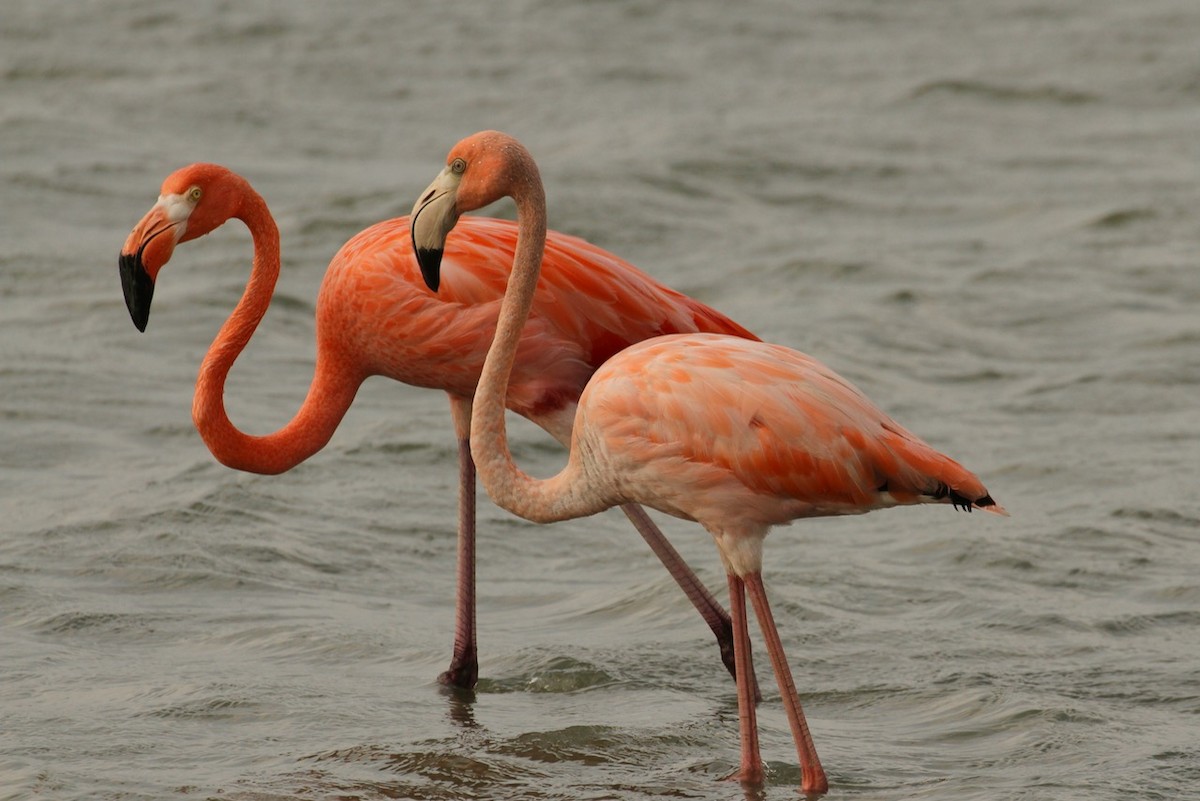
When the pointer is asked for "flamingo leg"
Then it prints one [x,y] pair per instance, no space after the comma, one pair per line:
[751,769]
[709,608]
[464,660]
[812,775]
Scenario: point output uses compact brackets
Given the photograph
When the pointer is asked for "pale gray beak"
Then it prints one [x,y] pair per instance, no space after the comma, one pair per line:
[432,218]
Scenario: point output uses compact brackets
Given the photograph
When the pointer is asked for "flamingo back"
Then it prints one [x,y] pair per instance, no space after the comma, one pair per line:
[589,306]
[732,432]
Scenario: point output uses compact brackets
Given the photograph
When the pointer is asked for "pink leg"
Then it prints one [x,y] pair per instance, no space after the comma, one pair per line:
[464,661]
[751,769]
[709,608]
[812,775]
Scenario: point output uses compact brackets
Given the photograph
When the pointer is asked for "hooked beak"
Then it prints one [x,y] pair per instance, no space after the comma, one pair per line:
[148,248]
[432,218]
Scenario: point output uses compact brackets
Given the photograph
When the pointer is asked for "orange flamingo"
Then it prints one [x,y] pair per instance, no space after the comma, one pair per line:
[375,316]
[735,434]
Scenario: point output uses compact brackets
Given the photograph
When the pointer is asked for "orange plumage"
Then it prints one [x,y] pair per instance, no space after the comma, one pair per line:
[375,316]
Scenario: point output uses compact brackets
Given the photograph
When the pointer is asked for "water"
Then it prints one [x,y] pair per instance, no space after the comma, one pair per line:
[983,214]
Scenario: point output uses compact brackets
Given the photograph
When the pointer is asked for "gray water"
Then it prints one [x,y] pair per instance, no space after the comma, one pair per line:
[984,214]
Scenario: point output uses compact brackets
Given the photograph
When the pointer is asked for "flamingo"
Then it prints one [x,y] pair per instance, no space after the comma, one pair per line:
[735,434]
[375,316]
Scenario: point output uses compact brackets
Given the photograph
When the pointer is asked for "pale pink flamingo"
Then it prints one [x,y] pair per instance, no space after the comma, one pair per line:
[375,316]
[735,434]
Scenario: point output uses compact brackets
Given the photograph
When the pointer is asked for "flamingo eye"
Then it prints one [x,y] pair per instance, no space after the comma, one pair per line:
[458,166]
[194,194]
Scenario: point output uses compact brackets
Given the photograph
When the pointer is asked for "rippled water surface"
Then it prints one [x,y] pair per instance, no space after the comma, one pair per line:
[984,214]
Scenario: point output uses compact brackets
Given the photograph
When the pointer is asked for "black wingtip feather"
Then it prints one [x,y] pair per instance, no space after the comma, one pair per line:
[960,501]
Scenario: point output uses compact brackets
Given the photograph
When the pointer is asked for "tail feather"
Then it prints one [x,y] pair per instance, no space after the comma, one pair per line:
[937,476]
[966,503]
[711,321]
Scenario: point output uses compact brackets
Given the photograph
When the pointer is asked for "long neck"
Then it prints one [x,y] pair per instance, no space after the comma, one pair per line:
[330,394]
[565,495]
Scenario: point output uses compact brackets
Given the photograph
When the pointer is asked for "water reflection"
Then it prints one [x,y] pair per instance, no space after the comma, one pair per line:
[460,707]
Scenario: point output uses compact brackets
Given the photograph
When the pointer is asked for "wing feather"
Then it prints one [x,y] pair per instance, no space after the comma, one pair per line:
[769,419]
[589,306]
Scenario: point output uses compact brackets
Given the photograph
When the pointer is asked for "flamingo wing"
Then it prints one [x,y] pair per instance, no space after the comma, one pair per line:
[763,426]
[589,306]
[585,293]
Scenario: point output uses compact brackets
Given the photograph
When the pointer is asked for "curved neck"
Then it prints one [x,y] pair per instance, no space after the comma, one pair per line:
[565,495]
[330,394]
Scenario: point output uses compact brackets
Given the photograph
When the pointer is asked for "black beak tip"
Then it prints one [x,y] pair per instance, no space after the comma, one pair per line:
[430,260]
[138,288]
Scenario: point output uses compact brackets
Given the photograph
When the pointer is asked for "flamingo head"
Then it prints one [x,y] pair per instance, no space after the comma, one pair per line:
[194,201]
[479,170]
